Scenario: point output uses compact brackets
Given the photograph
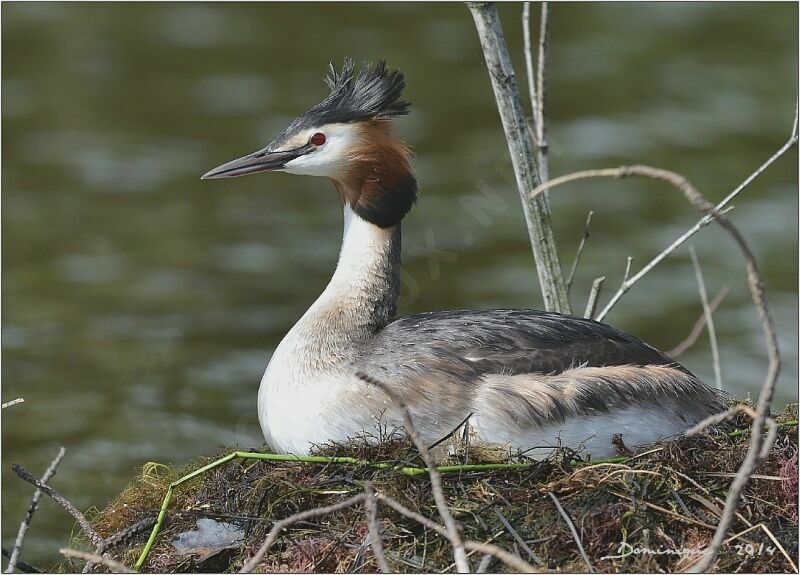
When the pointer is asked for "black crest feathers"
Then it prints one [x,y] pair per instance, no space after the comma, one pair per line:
[372,93]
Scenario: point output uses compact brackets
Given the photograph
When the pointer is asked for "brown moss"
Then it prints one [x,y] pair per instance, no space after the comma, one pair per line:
[666,499]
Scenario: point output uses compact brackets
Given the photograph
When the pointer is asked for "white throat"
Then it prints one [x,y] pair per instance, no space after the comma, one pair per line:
[313,363]
[361,297]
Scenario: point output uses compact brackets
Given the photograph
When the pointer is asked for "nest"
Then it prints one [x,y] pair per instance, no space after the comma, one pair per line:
[649,511]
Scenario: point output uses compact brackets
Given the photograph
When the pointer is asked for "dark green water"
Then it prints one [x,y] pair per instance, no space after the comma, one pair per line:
[141,305]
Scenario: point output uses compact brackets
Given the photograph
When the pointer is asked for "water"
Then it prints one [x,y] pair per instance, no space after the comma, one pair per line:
[140,305]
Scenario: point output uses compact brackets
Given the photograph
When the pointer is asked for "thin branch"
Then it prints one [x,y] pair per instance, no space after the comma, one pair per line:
[510,528]
[453,534]
[529,70]
[573,531]
[250,566]
[514,561]
[541,84]
[34,504]
[418,517]
[537,213]
[759,446]
[717,418]
[537,84]
[580,250]
[591,304]
[22,565]
[704,221]
[90,558]
[486,561]
[709,314]
[13,402]
[87,528]
[690,340]
[371,509]
[627,269]
[509,559]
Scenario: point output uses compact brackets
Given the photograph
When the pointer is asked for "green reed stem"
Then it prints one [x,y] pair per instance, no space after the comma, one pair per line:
[407,470]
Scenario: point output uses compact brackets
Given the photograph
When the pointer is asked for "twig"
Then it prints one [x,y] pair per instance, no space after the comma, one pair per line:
[453,535]
[26,522]
[690,340]
[514,561]
[529,70]
[627,269]
[487,559]
[580,251]
[110,564]
[591,304]
[758,447]
[537,213]
[541,68]
[508,558]
[510,528]
[704,221]
[718,418]
[780,547]
[441,440]
[22,565]
[573,531]
[253,562]
[708,313]
[371,509]
[13,402]
[61,500]
[536,84]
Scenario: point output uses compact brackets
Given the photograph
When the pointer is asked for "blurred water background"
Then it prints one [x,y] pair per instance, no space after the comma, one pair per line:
[140,305]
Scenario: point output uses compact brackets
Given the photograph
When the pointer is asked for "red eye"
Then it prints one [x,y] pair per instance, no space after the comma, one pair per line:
[318,139]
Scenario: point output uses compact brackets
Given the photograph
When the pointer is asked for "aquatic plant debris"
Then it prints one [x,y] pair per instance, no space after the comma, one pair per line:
[654,510]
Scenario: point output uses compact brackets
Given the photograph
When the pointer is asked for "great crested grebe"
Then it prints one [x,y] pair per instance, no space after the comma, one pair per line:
[530,379]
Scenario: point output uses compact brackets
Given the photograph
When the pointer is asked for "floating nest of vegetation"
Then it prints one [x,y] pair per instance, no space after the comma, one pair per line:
[649,511]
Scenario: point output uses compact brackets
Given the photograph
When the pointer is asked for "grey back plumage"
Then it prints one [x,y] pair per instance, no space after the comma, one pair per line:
[511,342]
[570,366]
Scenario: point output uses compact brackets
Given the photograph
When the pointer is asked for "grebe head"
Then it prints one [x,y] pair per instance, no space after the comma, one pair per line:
[347,138]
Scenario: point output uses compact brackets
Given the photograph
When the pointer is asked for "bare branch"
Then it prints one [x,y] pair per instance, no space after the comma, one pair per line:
[712,332]
[514,561]
[517,537]
[537,213]
[436,480]
[529,70]
[34,504]
[580,250]
[537,86]
[541,84]
[87,528]
[371,509]
[704,221]
[487,559]
[250,566]
[13,402]
[758,445]
[108,563]
[509,559]
[690,340]
[23,566]
[591,304]
[573,531]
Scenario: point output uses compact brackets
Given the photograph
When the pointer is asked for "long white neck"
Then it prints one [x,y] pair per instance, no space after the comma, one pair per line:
[361,297]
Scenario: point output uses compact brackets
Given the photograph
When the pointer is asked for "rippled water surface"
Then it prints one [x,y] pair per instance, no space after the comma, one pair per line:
[141,305]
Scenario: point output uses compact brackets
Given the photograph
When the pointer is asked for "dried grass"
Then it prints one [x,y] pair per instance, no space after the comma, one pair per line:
[666,498]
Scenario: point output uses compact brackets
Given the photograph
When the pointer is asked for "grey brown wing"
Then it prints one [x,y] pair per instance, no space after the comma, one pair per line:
[509,342]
